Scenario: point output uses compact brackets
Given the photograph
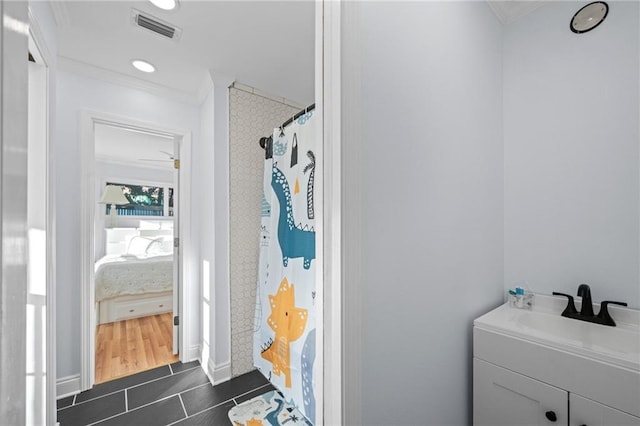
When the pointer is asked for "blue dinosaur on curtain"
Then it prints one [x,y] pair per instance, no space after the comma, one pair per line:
[295,241]
[284,341]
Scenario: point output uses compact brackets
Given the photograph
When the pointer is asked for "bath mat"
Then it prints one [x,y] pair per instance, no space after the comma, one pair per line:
[268,409]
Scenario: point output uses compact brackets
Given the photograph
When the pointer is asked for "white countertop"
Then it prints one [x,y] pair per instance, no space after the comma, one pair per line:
[543,324]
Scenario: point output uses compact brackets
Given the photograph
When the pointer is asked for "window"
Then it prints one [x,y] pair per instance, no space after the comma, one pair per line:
[144,200]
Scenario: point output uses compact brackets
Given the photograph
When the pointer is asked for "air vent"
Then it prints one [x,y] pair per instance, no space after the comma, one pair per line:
[155,25]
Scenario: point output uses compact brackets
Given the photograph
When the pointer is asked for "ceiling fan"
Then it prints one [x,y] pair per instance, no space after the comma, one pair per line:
[170,158]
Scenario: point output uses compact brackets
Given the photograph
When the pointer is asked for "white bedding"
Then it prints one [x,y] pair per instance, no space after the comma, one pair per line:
[123,275]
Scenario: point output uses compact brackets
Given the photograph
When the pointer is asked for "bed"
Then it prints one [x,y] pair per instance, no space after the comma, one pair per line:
[136,283]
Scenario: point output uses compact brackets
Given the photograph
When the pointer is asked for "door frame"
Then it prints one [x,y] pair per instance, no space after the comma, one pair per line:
[329,224]
[338,30]
[88,119]
[38,47]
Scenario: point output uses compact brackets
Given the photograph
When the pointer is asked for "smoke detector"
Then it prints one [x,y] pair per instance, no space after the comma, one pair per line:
[156,26]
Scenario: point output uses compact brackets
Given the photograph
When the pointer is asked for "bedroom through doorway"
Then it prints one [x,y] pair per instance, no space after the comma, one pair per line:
[135,278]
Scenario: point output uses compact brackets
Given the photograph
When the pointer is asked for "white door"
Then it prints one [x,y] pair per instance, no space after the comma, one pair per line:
[585,412]
[176,244]
[504,398]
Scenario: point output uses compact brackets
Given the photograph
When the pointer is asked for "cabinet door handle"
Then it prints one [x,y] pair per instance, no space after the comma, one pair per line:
[551,416]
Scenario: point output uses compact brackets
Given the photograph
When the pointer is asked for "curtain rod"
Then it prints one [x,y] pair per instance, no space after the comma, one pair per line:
[263,141]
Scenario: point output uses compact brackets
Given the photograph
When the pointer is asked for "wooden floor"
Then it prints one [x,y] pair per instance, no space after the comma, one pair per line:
[128,347]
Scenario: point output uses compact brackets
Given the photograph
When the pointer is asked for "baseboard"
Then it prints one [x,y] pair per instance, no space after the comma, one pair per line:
[218,373]
[66,386]
[193,354]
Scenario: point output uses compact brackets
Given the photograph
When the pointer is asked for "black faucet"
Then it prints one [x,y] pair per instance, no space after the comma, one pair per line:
[586,310]
[587,306]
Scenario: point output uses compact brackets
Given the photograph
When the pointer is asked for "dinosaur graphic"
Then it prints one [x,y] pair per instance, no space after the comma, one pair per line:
[288,323]
[294,241]
[272,417]
[311,167]
[308,357]
[304,117]
[280,147]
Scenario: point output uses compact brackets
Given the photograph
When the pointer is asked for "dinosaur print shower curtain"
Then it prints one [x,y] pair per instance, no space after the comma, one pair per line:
[284,340]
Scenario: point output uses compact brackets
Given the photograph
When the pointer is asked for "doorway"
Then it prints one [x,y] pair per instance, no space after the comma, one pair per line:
[132,260]
[135,181]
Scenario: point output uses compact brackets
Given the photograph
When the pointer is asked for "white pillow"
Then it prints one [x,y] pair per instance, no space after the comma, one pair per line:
[156,247]
[138,245]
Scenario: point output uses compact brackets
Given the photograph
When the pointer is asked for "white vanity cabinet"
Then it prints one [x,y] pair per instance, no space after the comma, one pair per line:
[538,368]
[585,412]
[505,398]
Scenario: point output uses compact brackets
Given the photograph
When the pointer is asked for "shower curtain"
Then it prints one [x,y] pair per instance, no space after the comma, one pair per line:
[284,339]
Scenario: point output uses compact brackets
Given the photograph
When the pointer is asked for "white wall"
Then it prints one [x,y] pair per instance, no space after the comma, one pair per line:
[432,185]
[203,172]
[219,244]
[13,210]
[213,169]
[571,153]
[492,155]
[77,93]
[106,171]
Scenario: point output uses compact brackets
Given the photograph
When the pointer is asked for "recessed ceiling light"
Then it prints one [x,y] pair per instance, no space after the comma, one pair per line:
[143,65]
[165,4]
[589,17]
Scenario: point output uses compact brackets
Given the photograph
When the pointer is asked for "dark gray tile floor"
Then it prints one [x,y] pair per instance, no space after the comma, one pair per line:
[179,394]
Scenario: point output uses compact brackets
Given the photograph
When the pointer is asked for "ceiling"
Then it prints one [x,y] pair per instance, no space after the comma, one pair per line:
[268,45]
[510,10]
[121,145]
[265,44]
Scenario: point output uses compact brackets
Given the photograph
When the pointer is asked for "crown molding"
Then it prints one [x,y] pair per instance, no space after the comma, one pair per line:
[60,13]
[114,77]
